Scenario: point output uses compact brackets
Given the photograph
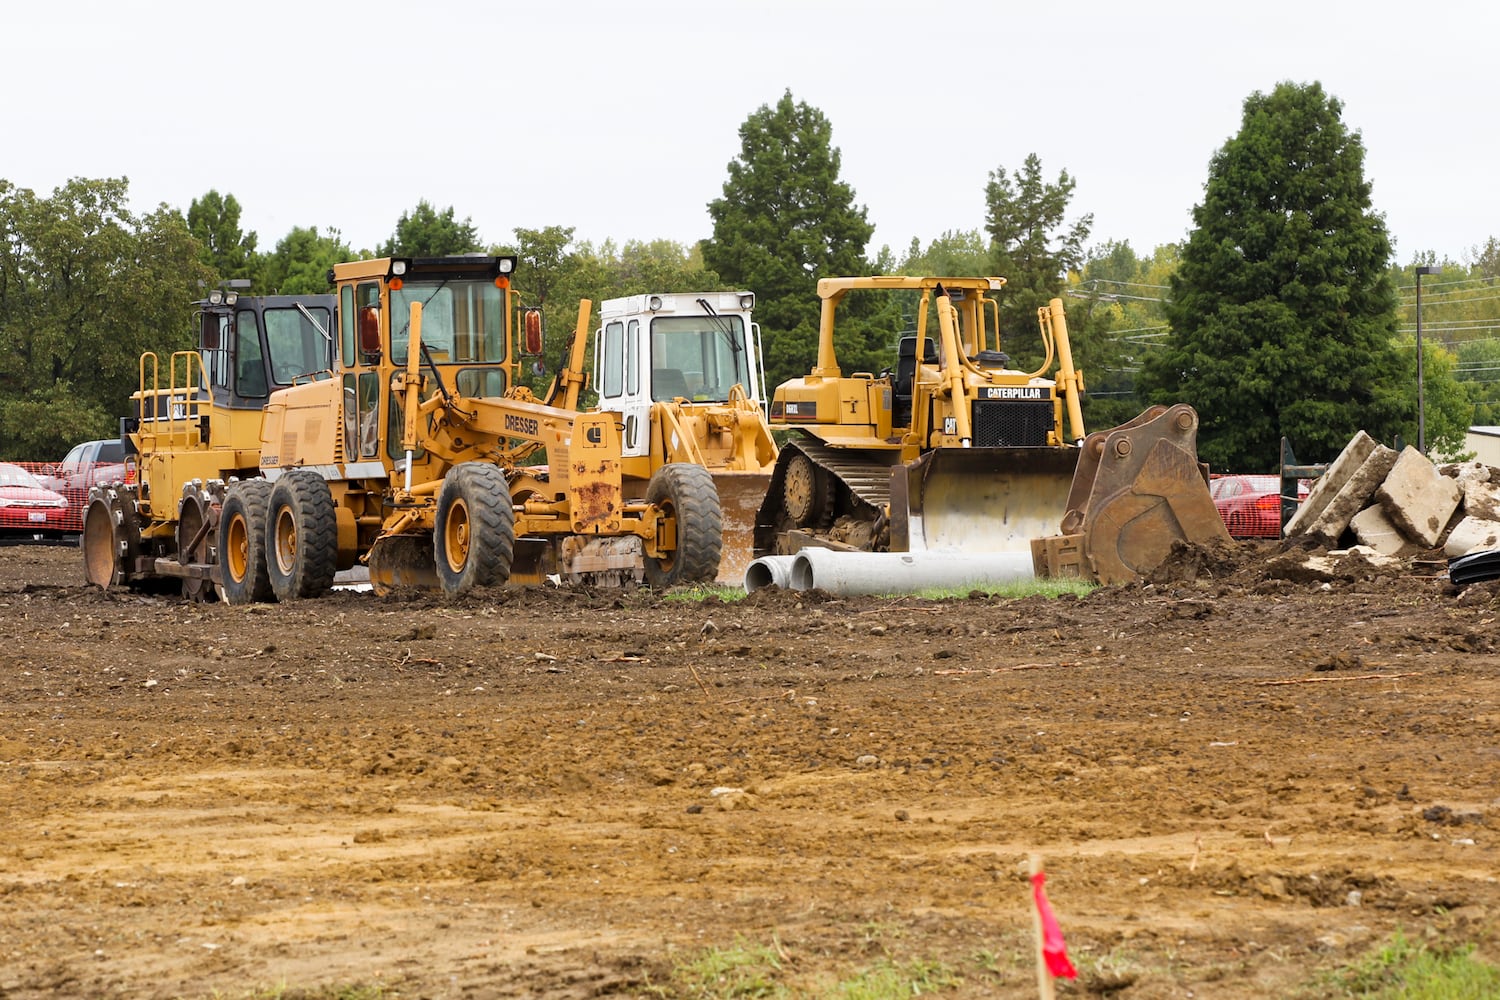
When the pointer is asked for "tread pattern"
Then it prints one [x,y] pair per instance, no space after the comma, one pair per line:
[301,501]
[479,493]
[246,506]
[687,492]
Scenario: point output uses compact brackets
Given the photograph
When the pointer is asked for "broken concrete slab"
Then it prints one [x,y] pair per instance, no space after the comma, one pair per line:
[1327,486]
[1417,498]
[1375,531]
[1354,495]
[1472,534]
[1481,494]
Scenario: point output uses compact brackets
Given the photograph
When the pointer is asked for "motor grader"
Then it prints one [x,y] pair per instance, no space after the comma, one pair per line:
[415,450]
[683,373]
[954,451]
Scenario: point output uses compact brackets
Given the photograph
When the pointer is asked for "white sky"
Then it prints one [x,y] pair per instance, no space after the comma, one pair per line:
[618,118]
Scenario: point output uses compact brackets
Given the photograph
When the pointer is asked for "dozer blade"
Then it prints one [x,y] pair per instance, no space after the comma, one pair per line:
[403,561]
[980,499]
[1138,490]
[740,498]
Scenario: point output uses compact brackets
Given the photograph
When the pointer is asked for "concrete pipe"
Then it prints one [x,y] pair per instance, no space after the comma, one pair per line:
[851,573]
[769,571]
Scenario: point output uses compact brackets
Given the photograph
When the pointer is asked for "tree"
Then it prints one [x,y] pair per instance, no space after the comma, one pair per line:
[1031,247]
[426,232]
[301,261]
[85,288]
[214,221]
[543,260]
[784,219]
[1283,313]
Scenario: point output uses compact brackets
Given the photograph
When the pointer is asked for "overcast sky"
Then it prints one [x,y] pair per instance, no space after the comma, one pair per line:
[618,119]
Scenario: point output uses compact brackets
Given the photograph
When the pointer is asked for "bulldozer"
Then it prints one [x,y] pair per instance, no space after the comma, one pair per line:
[954,451]
[422,456]
[683,374]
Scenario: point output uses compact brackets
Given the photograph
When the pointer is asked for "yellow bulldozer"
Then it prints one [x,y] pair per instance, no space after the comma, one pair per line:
[953,451]
[407,443]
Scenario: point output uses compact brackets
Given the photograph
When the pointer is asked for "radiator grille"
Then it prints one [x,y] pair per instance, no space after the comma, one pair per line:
[1012,424]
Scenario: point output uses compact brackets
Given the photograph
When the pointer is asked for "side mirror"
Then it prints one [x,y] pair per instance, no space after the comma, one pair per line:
[208,336]
[532,339]
[369,330]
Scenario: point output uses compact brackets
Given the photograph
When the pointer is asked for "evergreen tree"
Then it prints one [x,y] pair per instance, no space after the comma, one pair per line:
[1031,247]
[785,220]
[426,232]
[1283,313]
[214,220]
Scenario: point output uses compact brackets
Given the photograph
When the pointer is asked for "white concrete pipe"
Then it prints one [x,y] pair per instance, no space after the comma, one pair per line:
[851,573]
[769,571]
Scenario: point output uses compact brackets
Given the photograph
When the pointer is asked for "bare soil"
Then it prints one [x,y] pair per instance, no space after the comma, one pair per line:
[1240,776]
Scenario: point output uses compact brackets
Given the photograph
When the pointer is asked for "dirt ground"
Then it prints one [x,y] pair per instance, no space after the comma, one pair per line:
[1239,778]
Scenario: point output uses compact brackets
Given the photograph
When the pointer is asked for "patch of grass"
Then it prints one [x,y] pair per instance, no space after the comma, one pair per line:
[1012,590]
[747,969]
[741,970]
[700,592]
[1404,969]
[887,980]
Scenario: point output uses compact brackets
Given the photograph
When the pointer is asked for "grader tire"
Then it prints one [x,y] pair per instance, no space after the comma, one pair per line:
[302,536]
[475,536]
[686,493]
[242,543]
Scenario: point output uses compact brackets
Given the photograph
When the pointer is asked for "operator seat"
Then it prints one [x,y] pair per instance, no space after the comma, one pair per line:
[906,375]
[667,384]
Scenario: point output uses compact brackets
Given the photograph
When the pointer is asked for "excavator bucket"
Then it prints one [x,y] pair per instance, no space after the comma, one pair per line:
[1138,489]
[980,499]
[740,497]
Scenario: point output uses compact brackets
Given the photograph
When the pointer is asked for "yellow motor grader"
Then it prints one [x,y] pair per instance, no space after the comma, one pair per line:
[414,449]
[953,450]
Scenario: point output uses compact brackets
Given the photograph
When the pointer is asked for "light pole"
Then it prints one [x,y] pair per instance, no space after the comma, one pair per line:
[1422,271]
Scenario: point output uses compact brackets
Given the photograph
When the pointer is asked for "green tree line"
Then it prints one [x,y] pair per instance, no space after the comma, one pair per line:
[1282,313]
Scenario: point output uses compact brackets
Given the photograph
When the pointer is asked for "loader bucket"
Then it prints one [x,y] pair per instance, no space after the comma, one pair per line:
[980,499]
[1139,489]
[740,498]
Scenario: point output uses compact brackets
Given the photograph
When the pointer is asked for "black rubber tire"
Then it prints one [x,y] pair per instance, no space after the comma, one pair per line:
[302,536]
[242,543]
[687,493]
[474,539]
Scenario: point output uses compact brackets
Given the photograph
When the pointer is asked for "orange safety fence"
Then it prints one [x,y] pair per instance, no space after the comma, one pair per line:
[48,499]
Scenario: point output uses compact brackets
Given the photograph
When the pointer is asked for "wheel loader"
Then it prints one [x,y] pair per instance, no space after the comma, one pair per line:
[419,454]
[684,374]
[953,450]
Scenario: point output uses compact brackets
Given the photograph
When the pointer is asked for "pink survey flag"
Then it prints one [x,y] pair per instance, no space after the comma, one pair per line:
[1054,949]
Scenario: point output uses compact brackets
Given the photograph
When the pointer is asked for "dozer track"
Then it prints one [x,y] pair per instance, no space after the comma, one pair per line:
[855,492]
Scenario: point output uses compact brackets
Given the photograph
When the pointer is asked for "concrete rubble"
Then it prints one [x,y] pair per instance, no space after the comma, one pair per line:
[1400,505]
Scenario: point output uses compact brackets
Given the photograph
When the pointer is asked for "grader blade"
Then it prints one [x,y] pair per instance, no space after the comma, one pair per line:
[1138,490]
[403,561]
[740,497]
